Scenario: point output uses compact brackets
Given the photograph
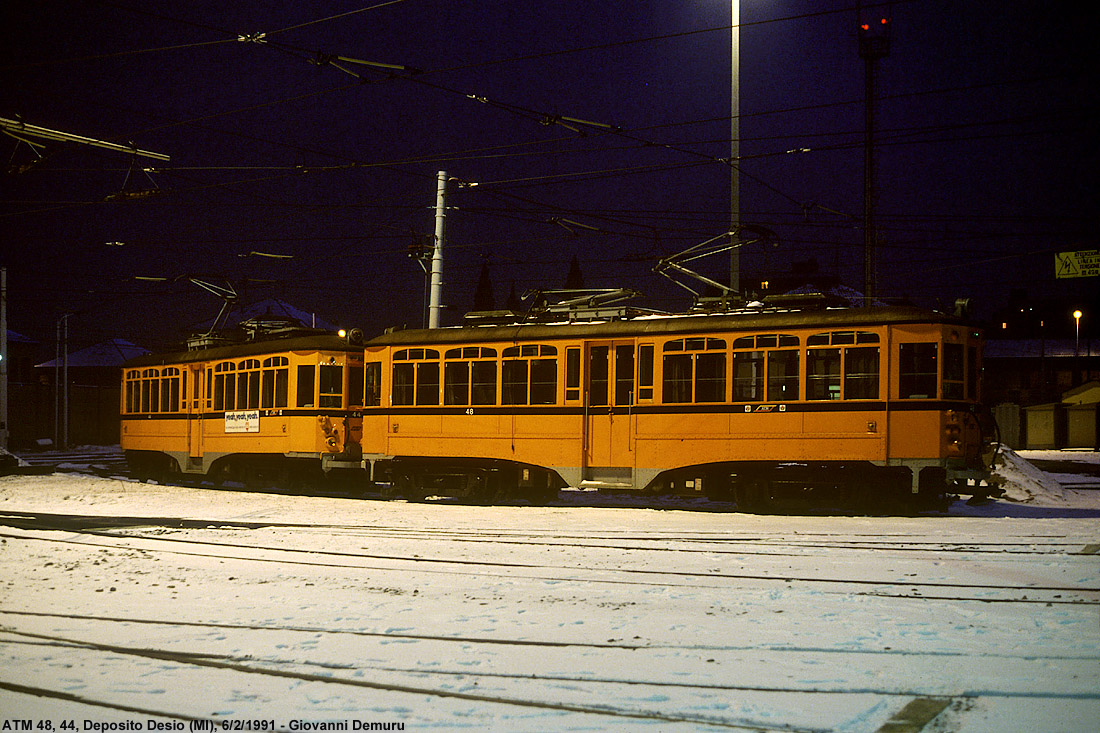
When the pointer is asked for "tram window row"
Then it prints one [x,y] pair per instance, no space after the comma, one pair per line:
[247,384]
[840,365]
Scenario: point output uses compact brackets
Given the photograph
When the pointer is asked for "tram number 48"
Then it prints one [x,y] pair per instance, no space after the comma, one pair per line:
[469,411]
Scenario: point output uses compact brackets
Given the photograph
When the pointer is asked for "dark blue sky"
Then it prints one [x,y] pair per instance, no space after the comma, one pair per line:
[987,152]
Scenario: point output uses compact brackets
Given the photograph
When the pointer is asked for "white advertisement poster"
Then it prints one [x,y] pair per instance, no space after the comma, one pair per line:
[242,421]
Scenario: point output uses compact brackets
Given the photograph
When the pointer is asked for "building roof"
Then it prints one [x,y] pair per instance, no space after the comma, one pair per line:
[18,338]
[269,308]
[1037,348]
[111,353]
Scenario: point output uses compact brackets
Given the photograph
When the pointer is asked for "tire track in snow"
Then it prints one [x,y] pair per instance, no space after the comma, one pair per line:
[389,635]
[209,661]
[290,556]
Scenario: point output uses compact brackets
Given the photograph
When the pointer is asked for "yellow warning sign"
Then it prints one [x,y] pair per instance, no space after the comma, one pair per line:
[1082,263]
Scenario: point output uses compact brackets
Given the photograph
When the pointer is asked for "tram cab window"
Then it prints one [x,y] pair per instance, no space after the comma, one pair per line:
[694,370]
[305,385]
[372,378]
[331,383]
[355,384]
[954,371]
[529,375]
[917,370]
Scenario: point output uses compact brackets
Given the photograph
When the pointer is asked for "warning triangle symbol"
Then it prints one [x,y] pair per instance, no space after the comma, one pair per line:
[1067,265]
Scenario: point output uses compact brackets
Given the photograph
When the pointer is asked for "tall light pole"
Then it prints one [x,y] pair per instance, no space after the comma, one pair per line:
[735,142]
[1077,345]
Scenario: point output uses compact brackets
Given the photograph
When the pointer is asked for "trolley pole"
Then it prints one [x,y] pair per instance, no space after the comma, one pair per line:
[435,304]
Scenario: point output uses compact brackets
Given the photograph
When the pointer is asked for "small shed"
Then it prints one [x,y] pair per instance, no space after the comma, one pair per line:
[1081,416]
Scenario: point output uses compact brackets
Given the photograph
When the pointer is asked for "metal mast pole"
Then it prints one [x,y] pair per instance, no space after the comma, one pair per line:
[57,386]
[65,380]
[735,142]
[874,44]
[435,305]
[3,357]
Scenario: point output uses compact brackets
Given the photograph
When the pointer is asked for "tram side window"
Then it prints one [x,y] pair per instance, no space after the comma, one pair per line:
[225,385]
[404,383]
[149,390]
[917,371]
[782,376]
[698,374]
[470,376]
[331,383]
[676,385]
[823,374]
[170,390]
[427,383]
[372,396]
[954,368]
[528,377]
[131,390]
[275,379]
[456,383]
[415,377]
[305,385]
[861,367]
[248,384]
[748,376]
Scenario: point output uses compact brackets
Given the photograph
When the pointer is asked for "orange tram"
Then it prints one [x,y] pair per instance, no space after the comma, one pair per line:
[861,407]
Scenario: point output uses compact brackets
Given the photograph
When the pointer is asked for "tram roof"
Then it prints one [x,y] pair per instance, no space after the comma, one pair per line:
[310,342]
[747,321]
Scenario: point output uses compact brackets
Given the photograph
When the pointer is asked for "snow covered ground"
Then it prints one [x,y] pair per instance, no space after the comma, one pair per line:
[131,603]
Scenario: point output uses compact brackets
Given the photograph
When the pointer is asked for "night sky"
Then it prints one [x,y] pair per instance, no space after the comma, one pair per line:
[987,151]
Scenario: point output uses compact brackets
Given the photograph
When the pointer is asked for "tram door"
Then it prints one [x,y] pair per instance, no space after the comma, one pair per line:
[609,402]
[195,402]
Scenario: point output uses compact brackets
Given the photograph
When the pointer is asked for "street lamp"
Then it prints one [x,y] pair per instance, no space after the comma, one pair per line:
[1077,345]
[1077,324]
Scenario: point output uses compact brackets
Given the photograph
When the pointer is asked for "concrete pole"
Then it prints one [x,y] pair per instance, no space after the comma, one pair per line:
[735,142]
[435,305]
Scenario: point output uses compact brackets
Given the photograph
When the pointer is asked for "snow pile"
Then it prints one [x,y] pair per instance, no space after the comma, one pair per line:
[1023,482]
